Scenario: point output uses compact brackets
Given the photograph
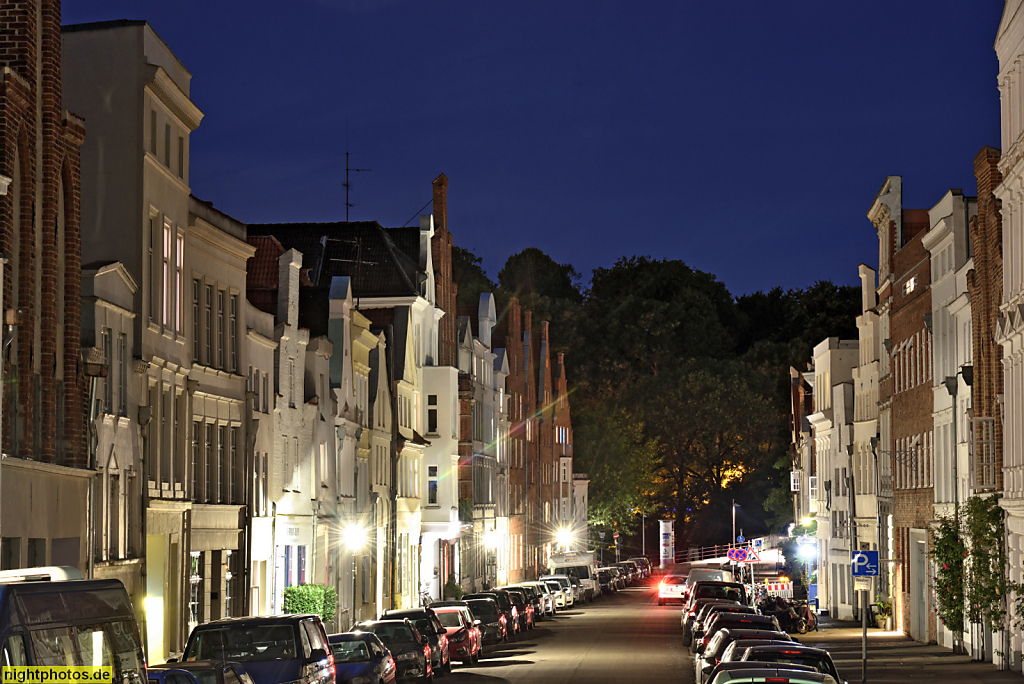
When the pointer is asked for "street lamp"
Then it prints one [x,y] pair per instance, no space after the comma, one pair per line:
[94,362]
[354,536]
[565,537]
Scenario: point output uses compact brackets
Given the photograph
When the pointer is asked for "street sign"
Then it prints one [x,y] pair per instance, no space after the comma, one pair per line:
[741,539]
[862,583]
[738,555]
[864,563]
[601,535]
[751,557]
[615,535]
[758,543]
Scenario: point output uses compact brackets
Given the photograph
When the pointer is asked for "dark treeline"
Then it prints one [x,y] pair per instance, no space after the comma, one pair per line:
[680,391]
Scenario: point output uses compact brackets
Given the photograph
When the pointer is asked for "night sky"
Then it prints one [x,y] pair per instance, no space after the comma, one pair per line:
[745,138]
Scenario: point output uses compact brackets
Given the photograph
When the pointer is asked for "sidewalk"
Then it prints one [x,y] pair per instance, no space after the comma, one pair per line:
[894,658]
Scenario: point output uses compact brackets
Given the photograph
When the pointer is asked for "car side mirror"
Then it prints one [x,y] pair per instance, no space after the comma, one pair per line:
[316,654]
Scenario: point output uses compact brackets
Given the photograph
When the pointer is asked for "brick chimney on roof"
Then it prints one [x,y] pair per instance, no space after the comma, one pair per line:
[441,202]
[543,331]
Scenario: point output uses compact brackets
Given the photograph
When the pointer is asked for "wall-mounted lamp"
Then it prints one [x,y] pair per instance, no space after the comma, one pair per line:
[967,373]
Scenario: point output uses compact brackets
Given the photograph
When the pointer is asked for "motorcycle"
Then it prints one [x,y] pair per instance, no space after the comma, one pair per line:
[782,610]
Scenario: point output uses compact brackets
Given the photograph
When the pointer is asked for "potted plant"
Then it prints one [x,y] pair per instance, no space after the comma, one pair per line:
[884,612]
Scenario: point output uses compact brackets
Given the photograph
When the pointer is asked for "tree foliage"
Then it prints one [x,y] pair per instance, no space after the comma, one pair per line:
[681,391]
[620,459]
[468,272]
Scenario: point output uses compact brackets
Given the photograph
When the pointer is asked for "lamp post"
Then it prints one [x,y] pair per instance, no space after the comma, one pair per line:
[354,537]
[95,366]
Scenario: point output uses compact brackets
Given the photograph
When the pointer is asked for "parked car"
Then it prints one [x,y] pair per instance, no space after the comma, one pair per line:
[409,648]
[720,621]
[738,648]
[617,576]
[605,581]
[705,663]
[644,563]
[199,672]
[507,608]
[697,612]
[548,595]
[426,623]
[558,592]
[732,591]
[533,597]
[735,673]
[361,658]
[476,627]
[523,605]
[794,654]
[671,588]
[566,586]
[464,639]
[493,622]
[279,648]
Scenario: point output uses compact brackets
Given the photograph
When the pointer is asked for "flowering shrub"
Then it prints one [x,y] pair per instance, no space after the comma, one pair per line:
[949,552]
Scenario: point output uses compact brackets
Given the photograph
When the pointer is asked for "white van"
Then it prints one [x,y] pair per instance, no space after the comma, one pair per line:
[74,622]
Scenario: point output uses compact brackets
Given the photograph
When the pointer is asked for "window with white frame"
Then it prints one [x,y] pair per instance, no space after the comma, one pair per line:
[179,283]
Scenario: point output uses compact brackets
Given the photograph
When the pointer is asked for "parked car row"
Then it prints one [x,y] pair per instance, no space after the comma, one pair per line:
[620,575]
[733,641]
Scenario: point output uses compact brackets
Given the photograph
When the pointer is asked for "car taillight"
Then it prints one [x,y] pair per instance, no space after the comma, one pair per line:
[777,679]
[330,660]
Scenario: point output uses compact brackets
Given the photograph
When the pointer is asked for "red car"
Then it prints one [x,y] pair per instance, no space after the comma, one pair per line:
[465,642]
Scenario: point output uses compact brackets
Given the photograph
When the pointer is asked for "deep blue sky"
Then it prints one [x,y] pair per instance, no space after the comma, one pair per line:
[745,138]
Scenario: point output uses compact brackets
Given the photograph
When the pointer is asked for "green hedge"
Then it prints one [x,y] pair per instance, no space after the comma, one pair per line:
[318,599]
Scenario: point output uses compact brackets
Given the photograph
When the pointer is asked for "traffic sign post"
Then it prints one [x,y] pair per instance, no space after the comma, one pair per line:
[864,566]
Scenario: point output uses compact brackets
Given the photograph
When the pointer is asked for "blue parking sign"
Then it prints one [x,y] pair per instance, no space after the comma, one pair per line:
[864,563]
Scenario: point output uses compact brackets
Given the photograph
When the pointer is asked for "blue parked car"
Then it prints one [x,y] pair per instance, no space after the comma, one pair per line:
[274,649]
[361,658]
[199,672]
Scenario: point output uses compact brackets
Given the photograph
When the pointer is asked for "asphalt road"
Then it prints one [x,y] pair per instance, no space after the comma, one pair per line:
[624,638]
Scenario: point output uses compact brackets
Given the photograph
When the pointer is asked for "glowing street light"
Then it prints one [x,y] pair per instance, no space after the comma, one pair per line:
[492,539]
[565,537]
[354,536]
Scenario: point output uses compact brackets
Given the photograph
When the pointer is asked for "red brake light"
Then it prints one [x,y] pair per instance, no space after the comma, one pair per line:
[777,679]
[790,652]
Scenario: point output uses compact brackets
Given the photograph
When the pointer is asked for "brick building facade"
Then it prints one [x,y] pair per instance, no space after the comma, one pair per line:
[44,388]
[911,446]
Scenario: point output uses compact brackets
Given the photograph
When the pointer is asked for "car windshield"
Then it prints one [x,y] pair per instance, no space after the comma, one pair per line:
[392,633]
[350,651]
[244,643]
[449,619]
[809,659]
[483,608]
[204,676]
[719,591]
[554,586]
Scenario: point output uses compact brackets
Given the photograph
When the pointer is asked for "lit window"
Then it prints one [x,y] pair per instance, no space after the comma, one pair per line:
[909,286]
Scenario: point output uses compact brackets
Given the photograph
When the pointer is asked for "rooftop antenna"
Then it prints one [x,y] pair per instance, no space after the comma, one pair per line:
[347,184]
